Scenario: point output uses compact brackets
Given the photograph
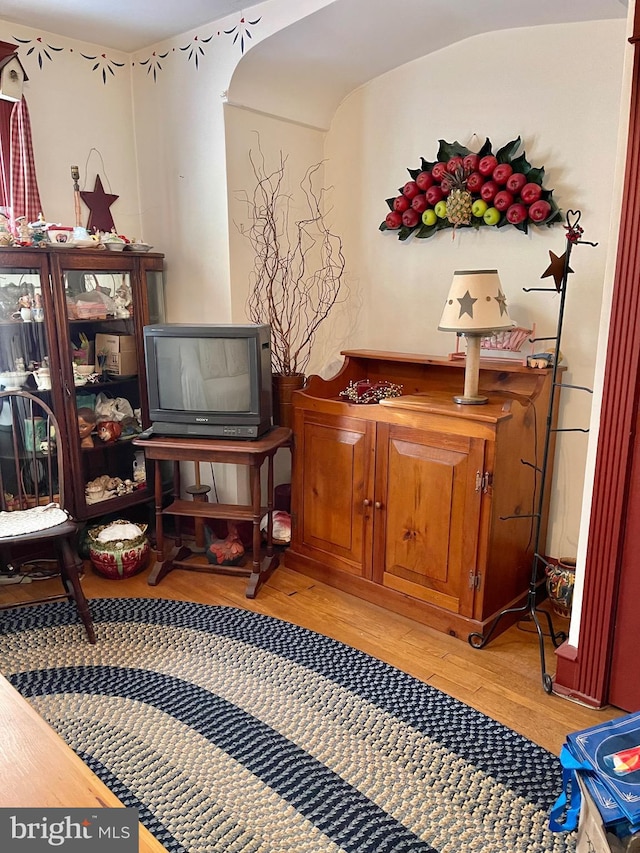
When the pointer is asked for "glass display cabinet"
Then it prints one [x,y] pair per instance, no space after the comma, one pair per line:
[71,332]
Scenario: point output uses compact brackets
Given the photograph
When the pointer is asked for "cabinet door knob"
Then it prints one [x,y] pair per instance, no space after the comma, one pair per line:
[378,505]
[366,502]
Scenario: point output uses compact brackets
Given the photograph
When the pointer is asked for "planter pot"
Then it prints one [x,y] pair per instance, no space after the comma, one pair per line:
[561,580]
[118,550]
[282,388]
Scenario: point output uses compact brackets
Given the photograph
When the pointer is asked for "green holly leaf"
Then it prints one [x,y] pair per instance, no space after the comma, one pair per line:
[506,153]
[536,176]
[383,226]
[425,231]
[427,165]
[390,202]
[522,226]
[447,150]
[521,164]
[414,173]
[404,232]
[486,148]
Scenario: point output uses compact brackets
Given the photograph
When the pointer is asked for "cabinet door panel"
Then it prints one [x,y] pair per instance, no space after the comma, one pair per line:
[427,525]
[336,477]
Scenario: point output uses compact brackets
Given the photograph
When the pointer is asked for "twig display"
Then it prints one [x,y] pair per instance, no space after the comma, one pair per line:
[298,265]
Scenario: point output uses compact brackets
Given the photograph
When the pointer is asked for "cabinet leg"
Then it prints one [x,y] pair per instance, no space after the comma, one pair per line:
[269,563]
[162,568]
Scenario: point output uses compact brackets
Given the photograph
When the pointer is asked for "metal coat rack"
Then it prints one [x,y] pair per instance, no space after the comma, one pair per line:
[559,269]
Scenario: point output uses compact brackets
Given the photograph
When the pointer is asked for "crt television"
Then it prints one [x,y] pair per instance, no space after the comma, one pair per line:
[209,380]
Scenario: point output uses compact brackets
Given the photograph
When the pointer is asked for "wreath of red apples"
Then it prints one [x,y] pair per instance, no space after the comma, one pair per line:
[505,190]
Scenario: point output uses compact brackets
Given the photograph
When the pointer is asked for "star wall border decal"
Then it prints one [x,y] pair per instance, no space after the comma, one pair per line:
[107,66]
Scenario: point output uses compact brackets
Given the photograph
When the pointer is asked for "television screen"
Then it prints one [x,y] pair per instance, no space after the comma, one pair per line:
[204,374]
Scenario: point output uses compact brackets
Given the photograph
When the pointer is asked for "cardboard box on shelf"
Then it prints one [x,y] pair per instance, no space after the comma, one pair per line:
[119,352]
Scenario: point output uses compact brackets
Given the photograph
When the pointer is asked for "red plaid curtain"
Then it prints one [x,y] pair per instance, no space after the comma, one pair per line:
[18,184]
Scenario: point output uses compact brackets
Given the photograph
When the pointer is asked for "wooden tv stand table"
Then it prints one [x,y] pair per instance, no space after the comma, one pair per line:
[231,451]
[40,770]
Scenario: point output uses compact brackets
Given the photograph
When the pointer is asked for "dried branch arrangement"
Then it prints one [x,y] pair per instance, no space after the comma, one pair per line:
[298,267]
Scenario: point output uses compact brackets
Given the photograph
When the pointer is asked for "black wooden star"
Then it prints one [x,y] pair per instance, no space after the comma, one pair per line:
[99,202]
[556,269]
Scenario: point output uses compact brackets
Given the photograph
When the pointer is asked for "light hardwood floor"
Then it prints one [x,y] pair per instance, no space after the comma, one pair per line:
[502,680]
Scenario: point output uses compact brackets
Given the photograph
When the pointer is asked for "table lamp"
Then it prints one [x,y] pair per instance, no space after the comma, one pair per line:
[475,307]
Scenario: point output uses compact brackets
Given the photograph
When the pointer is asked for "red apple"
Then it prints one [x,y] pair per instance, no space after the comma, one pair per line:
[487,165]
[410,189]
[516,213]
[530,192]
[488,190]
[419,202]
[393,220]
[502,200]
[515,182]
[410,218]
[434,194]
[401,203]
[424,180]
[453,164]
[470,162]
[438,171]
[474,182]
[502,173]
[539,210]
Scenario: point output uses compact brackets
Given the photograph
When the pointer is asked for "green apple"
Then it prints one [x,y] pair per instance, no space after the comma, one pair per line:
[441,209]
[429,217]
[491,216]
[479,207]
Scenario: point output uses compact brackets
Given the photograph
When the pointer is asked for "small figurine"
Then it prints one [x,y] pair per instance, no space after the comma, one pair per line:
[86,424]
[24,231]
[38,308]
[123,301]
[24,308]
[6,237]
[109,431]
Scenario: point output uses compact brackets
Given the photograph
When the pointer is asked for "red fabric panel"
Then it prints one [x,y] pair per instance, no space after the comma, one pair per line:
[5,153]
[24,185]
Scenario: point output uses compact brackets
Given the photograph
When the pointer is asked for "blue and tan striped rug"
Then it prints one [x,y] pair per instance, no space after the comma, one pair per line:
[236,732]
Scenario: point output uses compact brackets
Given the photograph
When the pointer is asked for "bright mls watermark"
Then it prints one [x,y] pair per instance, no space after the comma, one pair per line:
[70,830]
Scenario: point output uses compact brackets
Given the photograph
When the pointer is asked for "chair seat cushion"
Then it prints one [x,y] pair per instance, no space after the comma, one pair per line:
[21,522]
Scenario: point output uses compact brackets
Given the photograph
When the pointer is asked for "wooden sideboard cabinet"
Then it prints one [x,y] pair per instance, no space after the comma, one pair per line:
[419,504]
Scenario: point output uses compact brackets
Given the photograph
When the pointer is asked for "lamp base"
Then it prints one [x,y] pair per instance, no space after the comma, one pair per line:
[475,400]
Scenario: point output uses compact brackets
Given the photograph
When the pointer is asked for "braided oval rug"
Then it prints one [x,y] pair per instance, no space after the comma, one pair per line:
[236,732]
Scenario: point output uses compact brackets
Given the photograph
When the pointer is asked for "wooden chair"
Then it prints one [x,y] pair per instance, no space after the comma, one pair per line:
[33,521]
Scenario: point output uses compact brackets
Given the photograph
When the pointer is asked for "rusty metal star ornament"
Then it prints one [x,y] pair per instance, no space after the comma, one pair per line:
[556,269]
[99,202]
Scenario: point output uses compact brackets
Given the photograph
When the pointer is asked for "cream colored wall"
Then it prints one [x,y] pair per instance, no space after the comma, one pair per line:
[562,97]
[180,137]
[248,131]
[73,112]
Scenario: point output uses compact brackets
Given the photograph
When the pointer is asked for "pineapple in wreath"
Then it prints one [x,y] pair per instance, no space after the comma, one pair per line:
[459,201]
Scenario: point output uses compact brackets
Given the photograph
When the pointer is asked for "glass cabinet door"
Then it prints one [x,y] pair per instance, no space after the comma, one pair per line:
[104,364]
[24,346]
[26,363]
